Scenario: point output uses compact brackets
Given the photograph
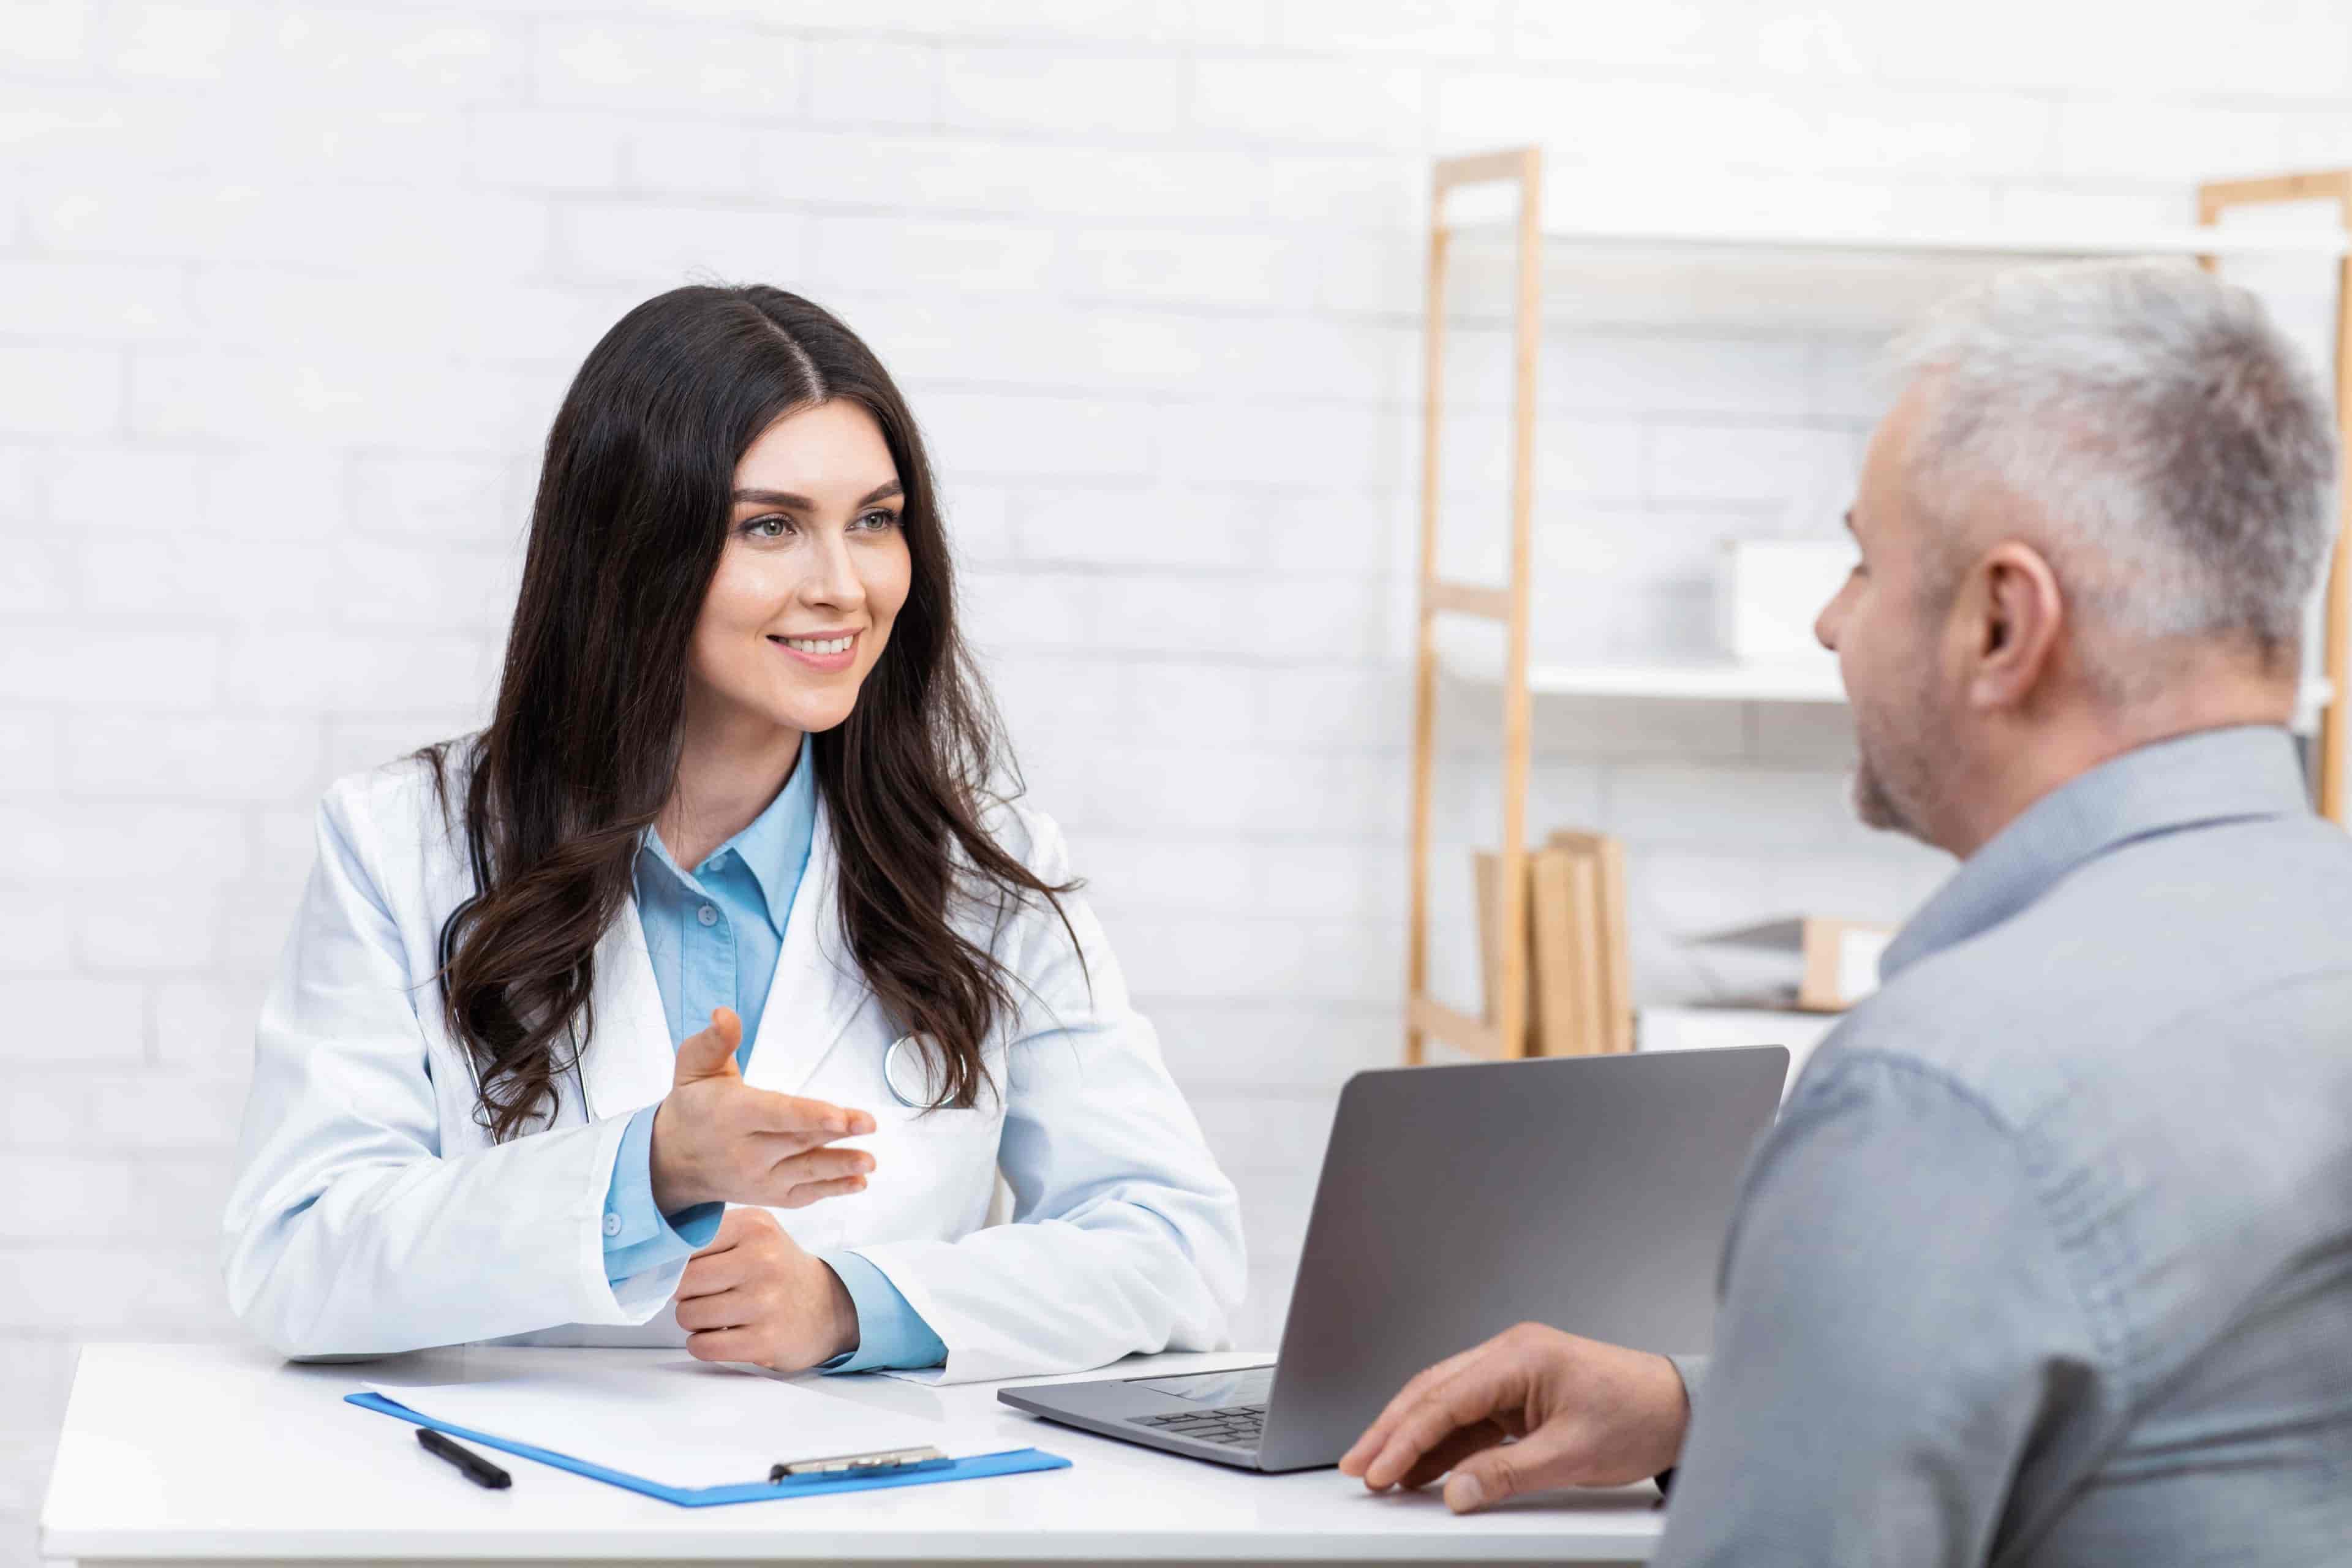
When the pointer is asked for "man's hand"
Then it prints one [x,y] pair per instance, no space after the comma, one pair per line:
[1585,1414]
[753,1295]
[717,1141]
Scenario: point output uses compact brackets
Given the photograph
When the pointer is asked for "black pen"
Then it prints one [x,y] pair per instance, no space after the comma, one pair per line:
[475,1468]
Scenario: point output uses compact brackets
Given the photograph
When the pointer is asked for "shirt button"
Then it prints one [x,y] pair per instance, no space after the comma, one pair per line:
[706,915]
[612,1225]
[716,862]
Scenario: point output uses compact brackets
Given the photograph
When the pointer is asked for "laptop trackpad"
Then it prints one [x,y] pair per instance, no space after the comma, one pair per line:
[1250,1385]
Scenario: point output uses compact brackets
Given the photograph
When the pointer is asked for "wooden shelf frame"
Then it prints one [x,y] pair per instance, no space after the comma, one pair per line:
[1503,1034]
[2214,198]
[1506,1034]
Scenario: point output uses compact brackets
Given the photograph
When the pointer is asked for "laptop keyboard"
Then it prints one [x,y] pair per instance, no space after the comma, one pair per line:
[1239,1426]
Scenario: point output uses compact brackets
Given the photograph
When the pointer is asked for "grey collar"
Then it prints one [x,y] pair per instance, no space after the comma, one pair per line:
[2207,777]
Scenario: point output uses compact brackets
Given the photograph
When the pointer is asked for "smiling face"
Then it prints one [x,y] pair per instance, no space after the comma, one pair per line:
[812,578]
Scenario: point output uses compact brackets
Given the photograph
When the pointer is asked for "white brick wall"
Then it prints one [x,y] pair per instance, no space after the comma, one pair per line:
[287,295]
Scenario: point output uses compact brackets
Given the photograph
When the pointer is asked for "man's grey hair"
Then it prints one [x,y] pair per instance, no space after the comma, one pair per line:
[2155,435]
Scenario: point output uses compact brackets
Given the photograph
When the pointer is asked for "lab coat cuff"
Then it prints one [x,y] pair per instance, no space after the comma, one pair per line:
[891,1333]
[637,1236]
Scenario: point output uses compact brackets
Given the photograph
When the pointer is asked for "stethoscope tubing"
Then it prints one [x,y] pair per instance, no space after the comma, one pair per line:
[903,1070]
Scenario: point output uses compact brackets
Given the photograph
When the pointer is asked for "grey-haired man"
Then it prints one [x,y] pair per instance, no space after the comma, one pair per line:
[2049,1259]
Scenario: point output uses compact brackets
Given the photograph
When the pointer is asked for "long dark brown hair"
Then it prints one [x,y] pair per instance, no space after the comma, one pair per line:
[633,504]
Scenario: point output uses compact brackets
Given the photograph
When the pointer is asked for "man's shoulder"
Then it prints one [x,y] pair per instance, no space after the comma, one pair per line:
[2102,972]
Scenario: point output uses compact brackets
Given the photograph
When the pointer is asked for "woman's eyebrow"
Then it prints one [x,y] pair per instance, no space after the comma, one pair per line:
[786,497]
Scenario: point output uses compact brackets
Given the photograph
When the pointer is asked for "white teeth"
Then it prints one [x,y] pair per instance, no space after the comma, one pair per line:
[817,645]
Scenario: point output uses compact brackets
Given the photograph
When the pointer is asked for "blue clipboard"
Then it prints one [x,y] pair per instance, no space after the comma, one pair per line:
[1012,1463]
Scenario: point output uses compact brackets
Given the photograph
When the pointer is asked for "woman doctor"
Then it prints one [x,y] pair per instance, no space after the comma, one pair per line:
[710,980]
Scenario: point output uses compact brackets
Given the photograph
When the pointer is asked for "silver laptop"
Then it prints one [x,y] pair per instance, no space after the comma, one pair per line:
[1590,1193]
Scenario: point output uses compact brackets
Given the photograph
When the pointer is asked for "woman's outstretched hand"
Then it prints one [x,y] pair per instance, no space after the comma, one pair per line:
[718,1140]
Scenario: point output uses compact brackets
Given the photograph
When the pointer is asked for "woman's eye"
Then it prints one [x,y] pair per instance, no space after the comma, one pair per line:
[878,520]
[771,527]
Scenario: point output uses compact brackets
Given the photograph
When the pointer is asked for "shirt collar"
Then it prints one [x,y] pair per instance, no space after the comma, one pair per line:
[2212,776]
[773,846]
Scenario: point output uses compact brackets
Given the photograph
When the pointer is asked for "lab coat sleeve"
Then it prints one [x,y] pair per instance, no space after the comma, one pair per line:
[1125,1237]
[347,1232]
[890,1333]
[637,1235]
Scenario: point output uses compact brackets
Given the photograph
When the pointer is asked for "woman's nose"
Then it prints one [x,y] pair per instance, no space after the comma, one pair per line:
[835,579]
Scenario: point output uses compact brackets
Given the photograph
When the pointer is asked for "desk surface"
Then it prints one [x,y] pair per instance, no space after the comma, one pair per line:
[225,1452]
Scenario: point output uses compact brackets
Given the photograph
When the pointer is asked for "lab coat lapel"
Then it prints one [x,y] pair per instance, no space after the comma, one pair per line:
[630,1061]
[816,990]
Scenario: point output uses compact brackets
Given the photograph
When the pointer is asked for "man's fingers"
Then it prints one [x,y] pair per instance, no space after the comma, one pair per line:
[1450,1451]
[1469,1397]
[710,1052]
[808,1192]
[1376,1436]
[1549,1457]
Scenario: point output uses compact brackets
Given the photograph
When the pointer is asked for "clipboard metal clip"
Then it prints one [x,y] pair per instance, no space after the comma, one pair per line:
[882,1461]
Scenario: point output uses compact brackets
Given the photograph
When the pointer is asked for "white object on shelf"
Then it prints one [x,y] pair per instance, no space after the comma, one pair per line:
[1770,591]
[1714,1028]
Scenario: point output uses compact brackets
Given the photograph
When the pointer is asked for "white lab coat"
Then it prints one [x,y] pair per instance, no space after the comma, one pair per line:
[372,1212]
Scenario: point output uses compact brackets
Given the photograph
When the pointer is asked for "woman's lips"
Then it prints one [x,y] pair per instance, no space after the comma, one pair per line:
[828,662]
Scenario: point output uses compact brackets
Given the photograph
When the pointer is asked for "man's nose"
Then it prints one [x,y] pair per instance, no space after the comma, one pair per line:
[1826,623]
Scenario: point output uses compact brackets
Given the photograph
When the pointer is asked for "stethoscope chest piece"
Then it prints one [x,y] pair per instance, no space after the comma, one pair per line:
[908,1073]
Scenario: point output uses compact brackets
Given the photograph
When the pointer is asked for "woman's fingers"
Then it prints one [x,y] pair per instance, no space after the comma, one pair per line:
[710,1052]
[708,1273]
[725,1344]
[815,1120]
[807,1193]
[727,1309]
[816,1166]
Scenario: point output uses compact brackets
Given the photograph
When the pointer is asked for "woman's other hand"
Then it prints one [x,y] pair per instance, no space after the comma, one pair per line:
[718,1140]
[753,1295]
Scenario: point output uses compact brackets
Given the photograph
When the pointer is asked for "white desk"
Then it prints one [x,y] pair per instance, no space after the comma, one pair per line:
[224,1454]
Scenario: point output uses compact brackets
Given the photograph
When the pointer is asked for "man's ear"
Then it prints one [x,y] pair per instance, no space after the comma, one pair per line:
[2017,616]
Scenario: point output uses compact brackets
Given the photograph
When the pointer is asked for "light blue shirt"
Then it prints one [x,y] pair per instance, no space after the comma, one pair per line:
[2049,1258]
[714,934]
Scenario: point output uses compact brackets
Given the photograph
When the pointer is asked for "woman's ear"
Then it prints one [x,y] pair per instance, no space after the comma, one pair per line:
[2016,617]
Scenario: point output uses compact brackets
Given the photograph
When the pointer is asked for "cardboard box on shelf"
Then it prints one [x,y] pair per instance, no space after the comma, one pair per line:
[1833,962]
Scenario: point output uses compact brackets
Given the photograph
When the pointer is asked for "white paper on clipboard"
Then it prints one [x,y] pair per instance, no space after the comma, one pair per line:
[683,1424]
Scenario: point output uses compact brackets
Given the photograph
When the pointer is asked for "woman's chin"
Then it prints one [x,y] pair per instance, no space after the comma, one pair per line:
[811,718]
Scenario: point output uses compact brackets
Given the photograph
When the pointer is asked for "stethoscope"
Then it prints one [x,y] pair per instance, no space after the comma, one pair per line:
[907,1074]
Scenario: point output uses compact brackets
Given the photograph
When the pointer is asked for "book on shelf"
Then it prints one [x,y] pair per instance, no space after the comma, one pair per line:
[1579,986]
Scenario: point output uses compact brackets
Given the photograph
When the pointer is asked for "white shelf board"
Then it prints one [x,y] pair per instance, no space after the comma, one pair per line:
[1488,207]
[1715,680]
[1723,680]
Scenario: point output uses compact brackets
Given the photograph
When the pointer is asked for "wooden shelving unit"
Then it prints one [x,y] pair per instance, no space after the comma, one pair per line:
[1503,193]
